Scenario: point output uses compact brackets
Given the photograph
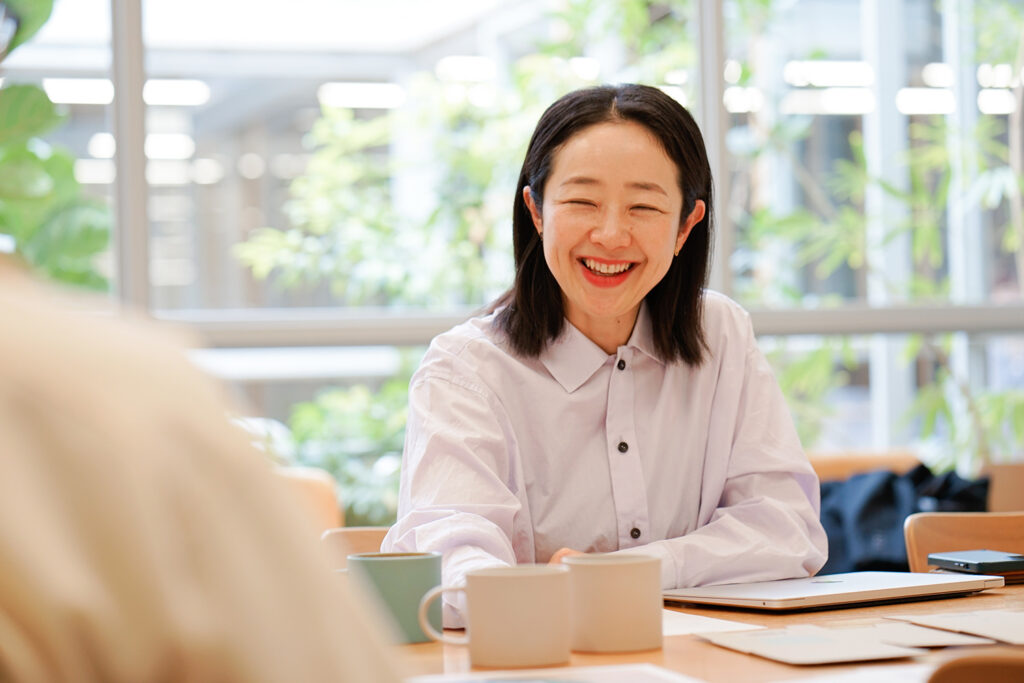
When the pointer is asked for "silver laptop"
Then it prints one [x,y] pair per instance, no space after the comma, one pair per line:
[835,590]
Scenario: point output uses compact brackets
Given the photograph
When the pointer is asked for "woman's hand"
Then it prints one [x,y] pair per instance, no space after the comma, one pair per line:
[563,552]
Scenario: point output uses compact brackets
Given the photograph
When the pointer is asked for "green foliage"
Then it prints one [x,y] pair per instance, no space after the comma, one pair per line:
[998,29]
[32,14]
[55,227]
[25,112]
[829,234]
[807,377]
[356,433]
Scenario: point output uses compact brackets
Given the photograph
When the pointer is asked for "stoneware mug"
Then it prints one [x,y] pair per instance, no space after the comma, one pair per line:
[515,616]
[397,582]
[615,602]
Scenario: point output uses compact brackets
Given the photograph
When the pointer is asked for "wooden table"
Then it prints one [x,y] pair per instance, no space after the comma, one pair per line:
[698,658]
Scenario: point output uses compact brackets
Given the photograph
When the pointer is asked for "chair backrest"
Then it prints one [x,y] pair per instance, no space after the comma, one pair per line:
[991,665]
[339,543]
[316,491]
[933,532]
[1005,487]
[843,465]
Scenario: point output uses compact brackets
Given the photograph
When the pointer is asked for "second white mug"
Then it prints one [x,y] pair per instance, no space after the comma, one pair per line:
[516,616]
[615,602]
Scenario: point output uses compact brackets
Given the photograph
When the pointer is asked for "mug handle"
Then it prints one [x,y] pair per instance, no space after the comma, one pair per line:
[428,598]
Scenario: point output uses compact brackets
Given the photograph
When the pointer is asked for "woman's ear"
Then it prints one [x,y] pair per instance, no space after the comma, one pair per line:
[695,217]
[538,222]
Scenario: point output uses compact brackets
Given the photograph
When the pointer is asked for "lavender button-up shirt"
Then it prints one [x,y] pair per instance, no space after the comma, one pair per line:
[507,459]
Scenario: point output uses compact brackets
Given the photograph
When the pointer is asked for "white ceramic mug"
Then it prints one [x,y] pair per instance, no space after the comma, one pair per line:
[515,616]
[615,602]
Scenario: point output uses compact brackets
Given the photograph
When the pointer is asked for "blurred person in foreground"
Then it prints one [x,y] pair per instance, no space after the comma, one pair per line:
[609,402]
[141,537]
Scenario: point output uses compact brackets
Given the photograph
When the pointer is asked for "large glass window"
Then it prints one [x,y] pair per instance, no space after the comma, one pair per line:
[875,165]
[330,185]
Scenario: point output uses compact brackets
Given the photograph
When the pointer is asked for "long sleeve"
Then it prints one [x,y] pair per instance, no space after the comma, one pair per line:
[455,495]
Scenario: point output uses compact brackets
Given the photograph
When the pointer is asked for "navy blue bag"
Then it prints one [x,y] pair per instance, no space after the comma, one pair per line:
[863,515]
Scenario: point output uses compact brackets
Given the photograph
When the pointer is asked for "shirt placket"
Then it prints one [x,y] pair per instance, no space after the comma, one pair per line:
[628,489]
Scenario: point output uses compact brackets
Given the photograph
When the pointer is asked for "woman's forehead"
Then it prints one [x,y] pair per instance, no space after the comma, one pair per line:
[624,152]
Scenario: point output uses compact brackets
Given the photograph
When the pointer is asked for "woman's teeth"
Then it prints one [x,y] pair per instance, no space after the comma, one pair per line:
[607,268]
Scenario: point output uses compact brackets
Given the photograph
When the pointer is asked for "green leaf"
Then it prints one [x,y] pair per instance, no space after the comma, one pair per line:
[66,245]
[32,14]
[24,178]
[25,111]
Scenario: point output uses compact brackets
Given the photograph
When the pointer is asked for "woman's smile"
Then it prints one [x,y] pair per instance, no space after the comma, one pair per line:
[605,273]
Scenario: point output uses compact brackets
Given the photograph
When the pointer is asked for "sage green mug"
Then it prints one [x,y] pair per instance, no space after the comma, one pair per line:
[397,582]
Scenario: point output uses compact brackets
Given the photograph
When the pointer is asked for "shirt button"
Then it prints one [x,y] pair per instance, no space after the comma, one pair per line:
[623,447]
[621,365]
[635,533]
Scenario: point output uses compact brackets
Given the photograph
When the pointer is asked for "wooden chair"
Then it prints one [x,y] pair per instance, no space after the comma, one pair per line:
[932,532]
[339,543]
[991,665]
[1005,487]
[316,491]
[843,465]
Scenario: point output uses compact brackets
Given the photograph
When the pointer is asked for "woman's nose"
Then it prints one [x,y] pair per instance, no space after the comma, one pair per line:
[612,232]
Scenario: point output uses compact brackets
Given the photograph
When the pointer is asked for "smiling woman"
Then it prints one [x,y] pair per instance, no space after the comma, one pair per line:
[613,204]
[608,402]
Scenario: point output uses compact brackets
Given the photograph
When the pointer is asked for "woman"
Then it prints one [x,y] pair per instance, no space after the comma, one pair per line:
[608,402]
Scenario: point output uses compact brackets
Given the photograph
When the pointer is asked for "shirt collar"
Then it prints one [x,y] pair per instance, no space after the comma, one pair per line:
[572,358]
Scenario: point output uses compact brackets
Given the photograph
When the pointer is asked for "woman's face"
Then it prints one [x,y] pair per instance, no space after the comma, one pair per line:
[611,225]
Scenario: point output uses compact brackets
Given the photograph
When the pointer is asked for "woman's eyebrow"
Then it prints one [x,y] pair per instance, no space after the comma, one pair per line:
[579,180]
[651,187]
[637,185]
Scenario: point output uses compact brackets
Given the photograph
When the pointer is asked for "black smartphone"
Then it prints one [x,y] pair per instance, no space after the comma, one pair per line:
[978,561]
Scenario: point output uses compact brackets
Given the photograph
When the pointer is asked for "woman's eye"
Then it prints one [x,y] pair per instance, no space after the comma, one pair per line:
[642,207]
[581,202]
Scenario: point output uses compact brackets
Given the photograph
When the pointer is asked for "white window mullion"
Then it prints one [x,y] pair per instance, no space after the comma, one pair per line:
[131,232]
[714,124]
[885,144]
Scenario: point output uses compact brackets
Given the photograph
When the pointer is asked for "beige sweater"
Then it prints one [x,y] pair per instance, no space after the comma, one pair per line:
[141,538]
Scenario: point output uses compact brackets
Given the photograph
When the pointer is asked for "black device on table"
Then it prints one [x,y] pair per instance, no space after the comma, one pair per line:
[993,562]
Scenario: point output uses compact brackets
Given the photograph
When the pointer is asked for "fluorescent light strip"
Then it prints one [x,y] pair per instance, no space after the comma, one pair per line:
[995,76]
[829,102]
[996,101]
[156,92]
[158,146]
[79,90]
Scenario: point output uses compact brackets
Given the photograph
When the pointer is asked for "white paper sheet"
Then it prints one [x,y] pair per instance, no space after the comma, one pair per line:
[999,624]
[887,673]
[911,635]
[675,623]
[807,644]
[634,673]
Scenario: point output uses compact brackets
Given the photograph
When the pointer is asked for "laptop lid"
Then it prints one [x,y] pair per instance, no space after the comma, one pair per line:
[834,590]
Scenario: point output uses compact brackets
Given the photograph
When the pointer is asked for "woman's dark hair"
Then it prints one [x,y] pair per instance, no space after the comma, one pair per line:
[533,314]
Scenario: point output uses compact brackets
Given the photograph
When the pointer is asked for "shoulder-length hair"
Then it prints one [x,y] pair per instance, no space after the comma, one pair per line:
[533,312]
